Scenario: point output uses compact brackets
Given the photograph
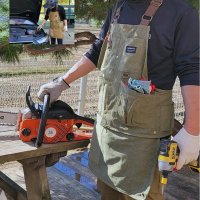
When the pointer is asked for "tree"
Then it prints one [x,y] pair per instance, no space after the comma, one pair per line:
[93,9]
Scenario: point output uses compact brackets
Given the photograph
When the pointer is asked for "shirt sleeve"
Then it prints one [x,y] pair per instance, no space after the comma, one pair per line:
[94,52]
[186,52]
[47,14]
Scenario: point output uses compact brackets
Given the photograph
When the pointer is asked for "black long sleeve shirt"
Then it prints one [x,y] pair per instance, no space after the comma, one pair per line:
[174,43]
[61,12]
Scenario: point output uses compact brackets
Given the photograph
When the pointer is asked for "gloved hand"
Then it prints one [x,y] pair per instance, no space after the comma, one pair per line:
[189,147]
[65,28]
[39,27]
[53,88]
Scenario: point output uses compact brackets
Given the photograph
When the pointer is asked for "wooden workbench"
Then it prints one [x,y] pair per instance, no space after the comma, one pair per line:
[34,161]
[183,184]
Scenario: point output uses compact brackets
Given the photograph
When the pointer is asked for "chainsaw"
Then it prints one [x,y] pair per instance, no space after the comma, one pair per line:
[42,123]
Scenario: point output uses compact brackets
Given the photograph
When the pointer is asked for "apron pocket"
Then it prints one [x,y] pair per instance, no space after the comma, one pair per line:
[143,111]
[146,111]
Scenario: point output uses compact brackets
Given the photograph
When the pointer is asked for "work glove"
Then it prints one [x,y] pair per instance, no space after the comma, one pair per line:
[189,146]
[65,28]
[54,89]
[39,27]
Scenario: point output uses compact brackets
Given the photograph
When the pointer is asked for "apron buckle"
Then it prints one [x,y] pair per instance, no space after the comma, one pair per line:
[146,17]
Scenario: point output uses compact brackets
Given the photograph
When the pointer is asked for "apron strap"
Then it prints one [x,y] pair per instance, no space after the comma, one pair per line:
[114,11]
[150,12]
[117,13]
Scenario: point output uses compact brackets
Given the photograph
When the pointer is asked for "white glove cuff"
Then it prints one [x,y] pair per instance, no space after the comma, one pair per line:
[188,135]
[187,142]
[64,85]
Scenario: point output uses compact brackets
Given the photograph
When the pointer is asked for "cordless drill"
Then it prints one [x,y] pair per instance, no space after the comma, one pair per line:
[167,158]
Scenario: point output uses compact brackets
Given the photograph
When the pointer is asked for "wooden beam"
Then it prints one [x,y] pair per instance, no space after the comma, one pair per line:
[14,150]
[35,175]
[11,188]
[52,159]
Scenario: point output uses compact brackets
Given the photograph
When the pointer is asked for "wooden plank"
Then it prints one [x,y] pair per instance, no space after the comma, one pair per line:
[6,128]
[5,196]
[61,186]
[77,166]
[12,149]
[10,187]
[182,185]
[65,188]
[15,171]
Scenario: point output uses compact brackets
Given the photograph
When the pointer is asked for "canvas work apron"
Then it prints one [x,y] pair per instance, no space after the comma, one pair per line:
[56,25]
[125,144]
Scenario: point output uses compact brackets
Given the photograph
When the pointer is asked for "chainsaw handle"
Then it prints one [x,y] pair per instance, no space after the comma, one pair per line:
[84,120]
[31,104]
[43,121]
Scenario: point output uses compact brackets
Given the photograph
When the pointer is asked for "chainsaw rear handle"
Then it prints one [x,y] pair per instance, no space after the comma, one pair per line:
[84,120]
[43,121]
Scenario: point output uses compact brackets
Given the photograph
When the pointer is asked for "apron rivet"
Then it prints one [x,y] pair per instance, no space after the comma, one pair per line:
[154,132]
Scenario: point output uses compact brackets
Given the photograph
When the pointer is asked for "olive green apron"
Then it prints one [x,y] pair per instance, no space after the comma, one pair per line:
[56,25]
[129,125]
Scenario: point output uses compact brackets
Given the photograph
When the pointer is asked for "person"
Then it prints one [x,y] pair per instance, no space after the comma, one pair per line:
[148,40]
[58,22]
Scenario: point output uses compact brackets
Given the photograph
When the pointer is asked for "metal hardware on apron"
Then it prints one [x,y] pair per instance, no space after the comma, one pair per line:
[56,25]
[129,125]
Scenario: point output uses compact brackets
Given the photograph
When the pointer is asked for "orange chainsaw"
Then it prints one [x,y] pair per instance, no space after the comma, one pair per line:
[43,124]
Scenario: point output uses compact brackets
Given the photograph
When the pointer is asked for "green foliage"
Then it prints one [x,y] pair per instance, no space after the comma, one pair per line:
[4,6]
[4,16]
[7,72]
[10,53]
[3,37]
[97,9]
[194,3]
[58,55]
[92,9]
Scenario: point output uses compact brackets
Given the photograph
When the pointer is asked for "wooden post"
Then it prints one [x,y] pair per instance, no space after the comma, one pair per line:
[77,175]
[36,178]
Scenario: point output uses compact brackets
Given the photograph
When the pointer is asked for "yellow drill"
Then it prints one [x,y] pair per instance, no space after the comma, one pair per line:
[167,158]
